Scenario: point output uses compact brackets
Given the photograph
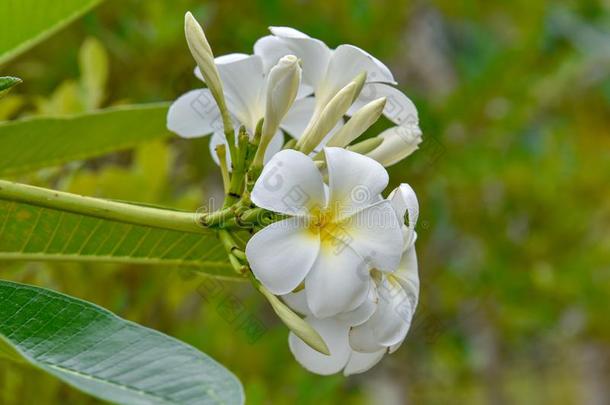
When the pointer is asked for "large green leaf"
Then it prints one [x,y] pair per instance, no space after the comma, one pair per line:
[44,225]
[40,142]
[97,352]
[24,23]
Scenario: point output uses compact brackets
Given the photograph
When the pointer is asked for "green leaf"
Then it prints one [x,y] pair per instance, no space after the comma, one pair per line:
[27,22]
[37,224]
[39,142]
[108,357]
[7,82]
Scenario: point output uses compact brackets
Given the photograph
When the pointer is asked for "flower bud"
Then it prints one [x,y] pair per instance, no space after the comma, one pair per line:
[282,87]
[322,124]
[202,53]
[398,143]
[358,123]
[366,146]
[295,323]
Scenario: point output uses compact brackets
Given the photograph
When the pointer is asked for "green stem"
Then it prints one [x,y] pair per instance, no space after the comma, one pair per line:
[100,208]
[239,170]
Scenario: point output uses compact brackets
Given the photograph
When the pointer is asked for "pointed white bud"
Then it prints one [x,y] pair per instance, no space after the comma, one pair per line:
[295,323]
[398,143]
[202,53]
[358,123]
[282,87]
[320,126]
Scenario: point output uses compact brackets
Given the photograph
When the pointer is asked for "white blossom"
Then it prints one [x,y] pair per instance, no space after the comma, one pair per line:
[357,340]
[332,234]
[329,70]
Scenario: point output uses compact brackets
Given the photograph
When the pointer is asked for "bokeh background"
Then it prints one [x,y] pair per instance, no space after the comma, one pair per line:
[513,180]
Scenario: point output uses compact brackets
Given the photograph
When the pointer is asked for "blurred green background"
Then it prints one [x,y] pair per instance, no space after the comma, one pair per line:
[513,181]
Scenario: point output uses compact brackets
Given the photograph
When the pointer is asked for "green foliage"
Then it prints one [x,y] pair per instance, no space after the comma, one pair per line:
[44,141]
[6,83]
[27,22]
[41,224]
[97,352]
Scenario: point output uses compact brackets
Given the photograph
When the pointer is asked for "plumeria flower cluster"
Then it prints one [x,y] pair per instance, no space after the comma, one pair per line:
[333,256]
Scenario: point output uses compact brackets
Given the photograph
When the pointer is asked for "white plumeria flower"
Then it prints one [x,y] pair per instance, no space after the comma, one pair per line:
[328,70]
[333,233]
[357,340]
[244,79]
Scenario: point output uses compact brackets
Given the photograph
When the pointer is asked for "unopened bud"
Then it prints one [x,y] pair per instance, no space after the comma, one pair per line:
[282,87]
[322,124]
[358,123]
[295,323]
[202,53]
[366,146]
[398,143]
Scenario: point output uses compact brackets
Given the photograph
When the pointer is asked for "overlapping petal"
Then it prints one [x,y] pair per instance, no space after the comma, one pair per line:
[375,234]
[346,62]
[398,108]
[338,281]
[404,201]
[335,334]
[289,184]
[361,362]
[243,81]
[194,114]
[314,53]
[355,181]
[275,261]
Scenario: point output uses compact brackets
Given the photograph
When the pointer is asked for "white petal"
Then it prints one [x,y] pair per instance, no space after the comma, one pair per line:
[407,275]
[364,310]
[334,334]
[395,347]
[194,114]
[355,181]
[313,53]
[287,32]
[346,63]
[404,201]
[361,362]
[362,339]
[393,318]
[297,302]
[375,234]
[231,58]
[223,59]
[271,49]
[282,254]
[290,184]
[398,108]
[338,281]
[298,117]
[243,83]
[276,145]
